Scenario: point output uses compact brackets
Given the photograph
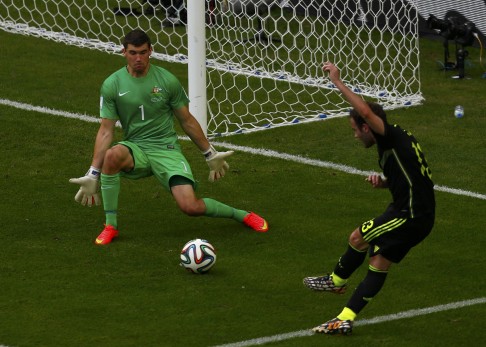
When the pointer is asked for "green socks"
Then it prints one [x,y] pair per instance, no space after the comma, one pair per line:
[217,209]
[110,189]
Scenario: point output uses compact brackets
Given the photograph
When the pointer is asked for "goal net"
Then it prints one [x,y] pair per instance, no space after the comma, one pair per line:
[263,57]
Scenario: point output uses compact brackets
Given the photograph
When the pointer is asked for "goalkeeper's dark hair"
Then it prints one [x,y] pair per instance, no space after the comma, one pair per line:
[376,108]
[137,38]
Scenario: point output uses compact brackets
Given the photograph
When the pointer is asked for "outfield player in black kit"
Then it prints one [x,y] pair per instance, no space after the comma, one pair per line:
[405,223]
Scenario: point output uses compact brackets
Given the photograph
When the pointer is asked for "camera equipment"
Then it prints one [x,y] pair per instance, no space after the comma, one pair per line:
[462,33]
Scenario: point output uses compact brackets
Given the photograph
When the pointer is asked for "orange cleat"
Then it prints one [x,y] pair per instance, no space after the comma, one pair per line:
[256,222]
[108,234]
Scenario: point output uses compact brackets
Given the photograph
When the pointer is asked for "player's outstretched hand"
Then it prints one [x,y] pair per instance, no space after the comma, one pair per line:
[217,163]
[89,187]
[377,181]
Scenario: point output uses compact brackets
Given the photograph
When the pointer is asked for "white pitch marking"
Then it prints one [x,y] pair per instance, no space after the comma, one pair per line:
[257,151]
[50,111]
[330,165]
[302,160]
[376,320]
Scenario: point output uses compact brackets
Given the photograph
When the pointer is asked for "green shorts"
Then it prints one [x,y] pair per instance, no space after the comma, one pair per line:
[163,164]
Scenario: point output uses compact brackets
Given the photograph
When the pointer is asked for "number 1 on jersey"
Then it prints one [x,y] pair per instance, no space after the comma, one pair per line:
[142,111]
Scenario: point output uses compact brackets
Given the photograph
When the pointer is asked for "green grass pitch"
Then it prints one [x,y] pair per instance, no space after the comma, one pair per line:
[59,289]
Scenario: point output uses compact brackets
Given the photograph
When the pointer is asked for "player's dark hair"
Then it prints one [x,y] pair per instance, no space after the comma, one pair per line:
[376,108]
[137,38]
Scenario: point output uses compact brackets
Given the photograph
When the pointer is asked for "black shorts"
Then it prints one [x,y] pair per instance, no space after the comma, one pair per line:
[392,235]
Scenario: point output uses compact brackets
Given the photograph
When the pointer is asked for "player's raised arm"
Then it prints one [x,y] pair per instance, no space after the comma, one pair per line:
[375,122]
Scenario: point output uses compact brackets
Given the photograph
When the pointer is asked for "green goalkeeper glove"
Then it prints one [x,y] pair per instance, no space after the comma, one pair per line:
[216,162]
[88,192]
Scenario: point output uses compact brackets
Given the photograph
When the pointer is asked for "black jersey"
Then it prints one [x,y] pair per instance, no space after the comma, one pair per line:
[408,175]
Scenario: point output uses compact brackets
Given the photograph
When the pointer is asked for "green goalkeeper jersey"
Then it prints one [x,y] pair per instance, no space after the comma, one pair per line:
[144,106]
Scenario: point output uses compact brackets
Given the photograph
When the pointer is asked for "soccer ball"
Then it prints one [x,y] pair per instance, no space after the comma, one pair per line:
[198,256]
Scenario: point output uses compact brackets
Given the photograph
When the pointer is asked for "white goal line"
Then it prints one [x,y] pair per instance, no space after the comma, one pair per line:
[362,322]
[330,165]
[256,151]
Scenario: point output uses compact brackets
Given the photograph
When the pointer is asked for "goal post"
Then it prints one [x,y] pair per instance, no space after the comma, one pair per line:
[196,44]
[262,58]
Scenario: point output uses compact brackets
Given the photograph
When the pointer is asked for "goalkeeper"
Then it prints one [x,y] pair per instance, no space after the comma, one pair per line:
[145,99]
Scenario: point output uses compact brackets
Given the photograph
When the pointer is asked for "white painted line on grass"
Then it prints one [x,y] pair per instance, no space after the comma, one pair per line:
[330,165]
[295,158]
[50,111]
[460,192]
[376,320]
[257,151]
